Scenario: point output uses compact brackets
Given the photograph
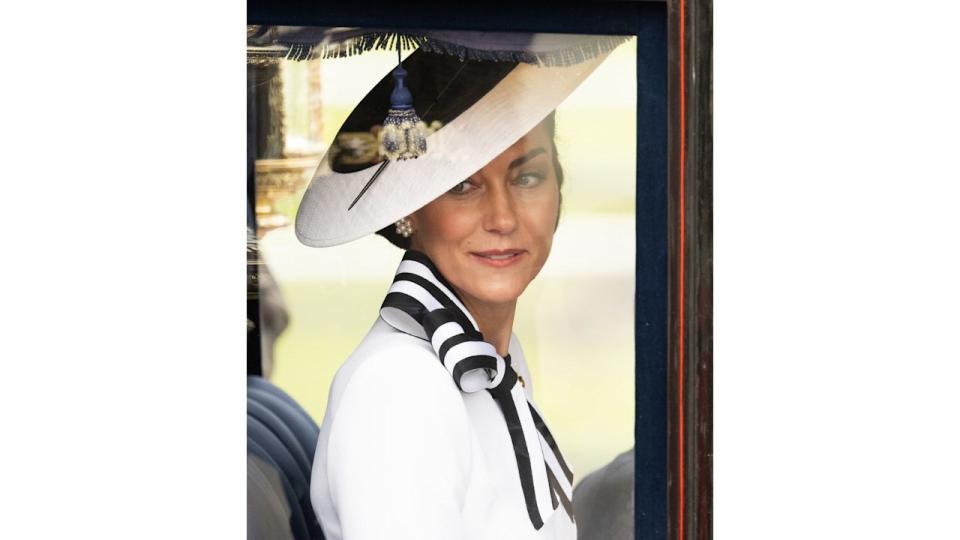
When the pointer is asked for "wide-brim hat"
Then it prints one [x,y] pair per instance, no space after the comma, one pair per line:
[476,93]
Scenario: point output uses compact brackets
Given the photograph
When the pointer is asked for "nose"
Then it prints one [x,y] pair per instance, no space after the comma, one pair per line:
[500,216]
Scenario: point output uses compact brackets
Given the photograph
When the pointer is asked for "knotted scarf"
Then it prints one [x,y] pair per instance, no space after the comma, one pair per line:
[421,303]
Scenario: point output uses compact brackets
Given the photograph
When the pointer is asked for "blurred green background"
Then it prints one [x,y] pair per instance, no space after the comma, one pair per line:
[575,321]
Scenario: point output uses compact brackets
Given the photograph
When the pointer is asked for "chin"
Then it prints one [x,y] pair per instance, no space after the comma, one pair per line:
[497,291]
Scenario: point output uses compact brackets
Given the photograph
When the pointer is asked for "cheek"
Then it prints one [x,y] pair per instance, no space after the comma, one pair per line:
[442,227]
[542,217]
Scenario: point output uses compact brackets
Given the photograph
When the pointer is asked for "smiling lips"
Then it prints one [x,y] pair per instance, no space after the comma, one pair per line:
[498,257]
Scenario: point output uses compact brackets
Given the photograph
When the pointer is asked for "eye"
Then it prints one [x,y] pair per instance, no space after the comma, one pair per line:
[463,187]
[529,179]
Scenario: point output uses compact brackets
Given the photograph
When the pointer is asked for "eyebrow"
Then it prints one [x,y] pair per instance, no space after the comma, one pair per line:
[526,157]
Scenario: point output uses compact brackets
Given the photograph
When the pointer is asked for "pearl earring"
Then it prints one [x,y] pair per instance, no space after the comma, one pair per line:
[404,228]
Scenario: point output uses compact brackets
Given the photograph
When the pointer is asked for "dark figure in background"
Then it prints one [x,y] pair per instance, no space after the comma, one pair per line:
[603,501]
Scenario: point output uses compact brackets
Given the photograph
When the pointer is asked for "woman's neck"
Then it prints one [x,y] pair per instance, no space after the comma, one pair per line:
[495,321]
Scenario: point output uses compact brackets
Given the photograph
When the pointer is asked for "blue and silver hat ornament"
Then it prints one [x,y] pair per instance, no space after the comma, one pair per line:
[403,135]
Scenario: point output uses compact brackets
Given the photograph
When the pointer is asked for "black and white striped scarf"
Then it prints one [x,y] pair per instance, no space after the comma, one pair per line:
[421,303]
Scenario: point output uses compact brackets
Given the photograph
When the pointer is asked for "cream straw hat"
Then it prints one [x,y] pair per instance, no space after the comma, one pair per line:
[476,93]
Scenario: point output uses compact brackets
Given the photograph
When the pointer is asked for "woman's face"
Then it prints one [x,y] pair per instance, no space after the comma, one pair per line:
[490,235]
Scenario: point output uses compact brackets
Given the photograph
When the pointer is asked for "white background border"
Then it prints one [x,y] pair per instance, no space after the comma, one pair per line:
[837,302]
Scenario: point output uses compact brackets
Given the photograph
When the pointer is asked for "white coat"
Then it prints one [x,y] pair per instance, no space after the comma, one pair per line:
[403,454]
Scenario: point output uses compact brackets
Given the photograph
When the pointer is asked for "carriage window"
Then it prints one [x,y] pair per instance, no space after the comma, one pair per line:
[575,320]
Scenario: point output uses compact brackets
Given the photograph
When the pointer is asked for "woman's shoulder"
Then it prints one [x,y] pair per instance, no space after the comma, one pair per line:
[384,340]
[388,361]
[395,425]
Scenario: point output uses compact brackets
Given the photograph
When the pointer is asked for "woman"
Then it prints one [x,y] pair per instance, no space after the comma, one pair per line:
[430,430]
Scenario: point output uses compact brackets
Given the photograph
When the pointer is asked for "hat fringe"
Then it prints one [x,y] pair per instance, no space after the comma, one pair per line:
[574,54]
[353,46]
[561,57]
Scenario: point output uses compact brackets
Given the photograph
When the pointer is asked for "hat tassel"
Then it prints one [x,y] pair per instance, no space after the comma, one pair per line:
[403,135]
